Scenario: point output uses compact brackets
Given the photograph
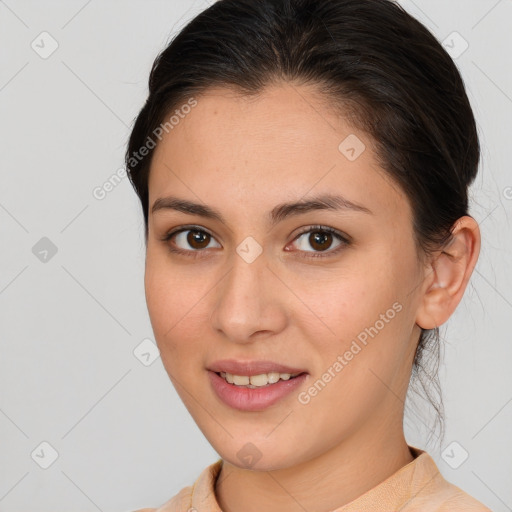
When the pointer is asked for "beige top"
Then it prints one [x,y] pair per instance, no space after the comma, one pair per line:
[416,487]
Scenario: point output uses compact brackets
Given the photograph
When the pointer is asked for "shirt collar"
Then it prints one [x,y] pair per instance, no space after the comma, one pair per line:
[410,482]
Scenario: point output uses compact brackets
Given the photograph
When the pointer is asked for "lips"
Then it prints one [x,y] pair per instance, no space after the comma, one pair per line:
[243,398]
[250,368]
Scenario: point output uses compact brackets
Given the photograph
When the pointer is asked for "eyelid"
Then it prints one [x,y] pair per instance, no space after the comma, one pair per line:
[319,227]
[344,239]
[188,227]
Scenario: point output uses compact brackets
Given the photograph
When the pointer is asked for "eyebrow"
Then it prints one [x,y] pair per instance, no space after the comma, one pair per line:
[276,215]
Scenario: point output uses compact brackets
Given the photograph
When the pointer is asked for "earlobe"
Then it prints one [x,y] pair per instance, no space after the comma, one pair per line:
[449,273]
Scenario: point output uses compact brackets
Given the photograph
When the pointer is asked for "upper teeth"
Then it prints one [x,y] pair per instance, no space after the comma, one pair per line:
[255,381]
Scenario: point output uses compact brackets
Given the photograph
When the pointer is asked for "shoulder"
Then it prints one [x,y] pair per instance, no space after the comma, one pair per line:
[452,498]
[446,497]
[437,494]
[200,495]
[179,502]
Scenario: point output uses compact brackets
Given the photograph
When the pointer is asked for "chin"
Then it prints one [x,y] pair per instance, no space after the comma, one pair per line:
[260,454]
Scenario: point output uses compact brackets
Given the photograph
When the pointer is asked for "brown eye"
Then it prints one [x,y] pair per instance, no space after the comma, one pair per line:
[190,240]
[198,239]
[318,239]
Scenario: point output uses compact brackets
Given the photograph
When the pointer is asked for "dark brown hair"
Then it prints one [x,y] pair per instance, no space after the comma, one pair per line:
[373,62]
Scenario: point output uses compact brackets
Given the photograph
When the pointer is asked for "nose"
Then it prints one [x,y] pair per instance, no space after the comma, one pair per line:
[249,302]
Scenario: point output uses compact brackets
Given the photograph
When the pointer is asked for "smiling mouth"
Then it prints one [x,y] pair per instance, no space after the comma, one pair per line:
[257,381]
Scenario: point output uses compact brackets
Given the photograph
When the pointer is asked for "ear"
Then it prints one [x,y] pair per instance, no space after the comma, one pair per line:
[448,274]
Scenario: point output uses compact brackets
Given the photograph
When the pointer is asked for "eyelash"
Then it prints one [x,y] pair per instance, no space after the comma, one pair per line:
[345,241]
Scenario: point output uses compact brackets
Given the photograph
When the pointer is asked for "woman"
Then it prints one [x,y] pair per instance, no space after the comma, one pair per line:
[303,168]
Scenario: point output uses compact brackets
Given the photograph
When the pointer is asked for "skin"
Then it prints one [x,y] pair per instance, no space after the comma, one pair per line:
[242,157]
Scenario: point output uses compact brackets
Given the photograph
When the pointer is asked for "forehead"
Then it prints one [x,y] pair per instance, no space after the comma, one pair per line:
[277,145]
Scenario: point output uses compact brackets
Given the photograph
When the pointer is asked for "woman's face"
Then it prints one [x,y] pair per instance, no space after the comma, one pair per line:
[266,282]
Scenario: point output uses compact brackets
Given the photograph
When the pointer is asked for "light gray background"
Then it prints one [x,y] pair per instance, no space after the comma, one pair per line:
[69,326]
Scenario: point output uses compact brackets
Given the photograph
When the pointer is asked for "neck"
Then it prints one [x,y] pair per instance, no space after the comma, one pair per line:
[329,481]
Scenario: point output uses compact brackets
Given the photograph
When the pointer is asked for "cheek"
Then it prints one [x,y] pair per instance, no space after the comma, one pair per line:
[366,314]
[368,351]
[345,302]
[175,302]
